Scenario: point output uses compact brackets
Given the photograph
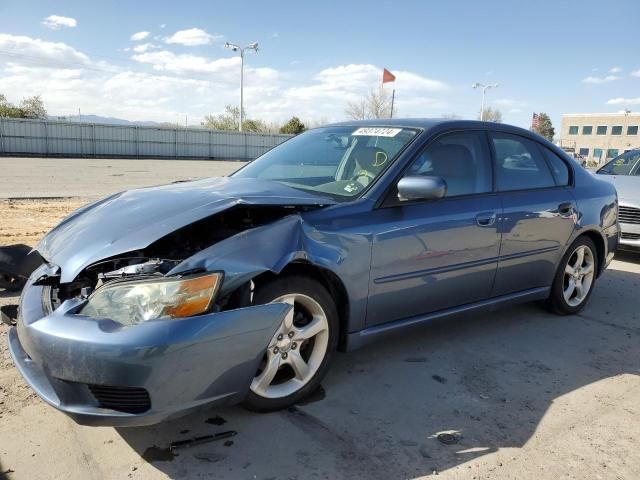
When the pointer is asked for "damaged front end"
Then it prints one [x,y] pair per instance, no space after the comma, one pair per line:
[128,326]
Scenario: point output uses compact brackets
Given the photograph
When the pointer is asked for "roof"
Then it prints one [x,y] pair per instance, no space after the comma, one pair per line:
[429,123]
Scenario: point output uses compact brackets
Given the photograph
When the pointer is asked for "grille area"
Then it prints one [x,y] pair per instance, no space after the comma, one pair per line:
[122,399]
[629,215]
[630,236]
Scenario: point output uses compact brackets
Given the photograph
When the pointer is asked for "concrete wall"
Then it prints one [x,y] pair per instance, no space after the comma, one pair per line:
[74,139]
[608,142]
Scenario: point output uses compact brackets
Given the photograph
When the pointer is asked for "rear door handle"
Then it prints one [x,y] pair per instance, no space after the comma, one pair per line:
[486,219]
[565,208]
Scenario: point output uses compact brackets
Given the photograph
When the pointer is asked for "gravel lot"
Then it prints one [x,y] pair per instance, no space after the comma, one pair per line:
[90,177]
[530,395]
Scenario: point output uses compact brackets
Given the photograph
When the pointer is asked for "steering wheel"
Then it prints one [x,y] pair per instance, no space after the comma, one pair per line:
[363,173]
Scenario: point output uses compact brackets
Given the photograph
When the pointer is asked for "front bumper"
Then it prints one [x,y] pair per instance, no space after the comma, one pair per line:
[181,364]
[630,235]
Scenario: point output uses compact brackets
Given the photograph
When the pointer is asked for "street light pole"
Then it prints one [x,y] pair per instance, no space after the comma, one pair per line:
[236,48]
[484,90]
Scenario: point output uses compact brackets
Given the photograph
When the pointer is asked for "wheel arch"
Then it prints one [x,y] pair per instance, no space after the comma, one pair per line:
[599,242]
[328,279]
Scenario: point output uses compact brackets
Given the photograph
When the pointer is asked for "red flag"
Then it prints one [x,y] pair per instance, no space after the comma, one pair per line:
[387,76]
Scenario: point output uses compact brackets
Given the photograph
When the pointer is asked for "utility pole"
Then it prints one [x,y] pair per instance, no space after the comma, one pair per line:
[484,89]
[236,48]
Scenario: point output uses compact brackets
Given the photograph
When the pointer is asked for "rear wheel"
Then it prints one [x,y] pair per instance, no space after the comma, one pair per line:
[299,353]
[575,278]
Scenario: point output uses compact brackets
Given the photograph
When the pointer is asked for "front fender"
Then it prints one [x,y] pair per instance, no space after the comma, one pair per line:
[272,247]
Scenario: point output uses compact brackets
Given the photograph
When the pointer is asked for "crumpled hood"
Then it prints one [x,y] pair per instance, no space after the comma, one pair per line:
[134,219]
[628,187]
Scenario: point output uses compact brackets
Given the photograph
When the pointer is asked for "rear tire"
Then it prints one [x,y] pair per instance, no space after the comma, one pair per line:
[299,354]
[575,278]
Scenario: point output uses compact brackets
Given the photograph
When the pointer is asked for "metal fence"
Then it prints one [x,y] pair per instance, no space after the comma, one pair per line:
[73,139]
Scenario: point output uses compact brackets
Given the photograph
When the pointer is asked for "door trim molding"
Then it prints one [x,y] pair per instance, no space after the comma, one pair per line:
[432,271]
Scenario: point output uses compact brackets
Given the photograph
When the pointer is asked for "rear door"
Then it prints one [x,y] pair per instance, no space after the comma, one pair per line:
[539,212]
[430,255]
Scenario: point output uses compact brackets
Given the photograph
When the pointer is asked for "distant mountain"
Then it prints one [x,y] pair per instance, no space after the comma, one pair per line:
[109,120]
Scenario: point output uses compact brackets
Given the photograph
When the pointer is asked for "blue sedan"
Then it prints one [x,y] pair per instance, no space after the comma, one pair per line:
[157,301]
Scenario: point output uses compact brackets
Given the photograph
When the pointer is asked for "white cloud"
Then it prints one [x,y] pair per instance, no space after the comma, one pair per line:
[596,80]
[192,37]
[615,70]
[635,73]
[165,60]
[55,22]
[193,85]
[624,101]
[39,52]
[143,47]
[136,37]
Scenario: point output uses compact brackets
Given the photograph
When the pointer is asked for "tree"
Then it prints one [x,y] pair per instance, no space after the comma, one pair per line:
[545,127]
[33,107]
[256,126]
[223,121]
[376,104]
[491,115]
[293,127]
[230,119]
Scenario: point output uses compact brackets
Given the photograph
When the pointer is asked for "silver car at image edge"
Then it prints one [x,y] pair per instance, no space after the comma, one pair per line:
[624,173]
[154,302]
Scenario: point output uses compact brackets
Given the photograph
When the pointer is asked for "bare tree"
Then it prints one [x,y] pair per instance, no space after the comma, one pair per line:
[376,104]
[491,115]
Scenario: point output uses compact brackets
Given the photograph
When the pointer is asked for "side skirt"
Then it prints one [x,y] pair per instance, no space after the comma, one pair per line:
[371,334]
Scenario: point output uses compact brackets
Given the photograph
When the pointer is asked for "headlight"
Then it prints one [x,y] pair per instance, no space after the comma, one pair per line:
[135,301]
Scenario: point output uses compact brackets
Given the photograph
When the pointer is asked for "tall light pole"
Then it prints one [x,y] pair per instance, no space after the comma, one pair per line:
[237,48]
[484,89]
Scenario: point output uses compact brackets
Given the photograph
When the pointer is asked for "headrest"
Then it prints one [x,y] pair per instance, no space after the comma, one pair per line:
[453,160]
[369,158]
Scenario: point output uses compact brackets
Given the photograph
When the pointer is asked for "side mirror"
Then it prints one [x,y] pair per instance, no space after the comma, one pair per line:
[421,188]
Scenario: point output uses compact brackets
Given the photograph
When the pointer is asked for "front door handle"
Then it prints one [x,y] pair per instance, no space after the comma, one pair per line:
[486,219]
[565,208]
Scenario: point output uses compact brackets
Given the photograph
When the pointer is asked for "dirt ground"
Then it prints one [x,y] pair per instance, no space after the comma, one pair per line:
[530,396]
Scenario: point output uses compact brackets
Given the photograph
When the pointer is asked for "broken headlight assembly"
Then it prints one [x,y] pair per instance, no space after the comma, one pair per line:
[130,302]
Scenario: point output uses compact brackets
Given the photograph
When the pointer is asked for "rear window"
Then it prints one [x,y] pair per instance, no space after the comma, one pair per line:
[519,164]
[558,166]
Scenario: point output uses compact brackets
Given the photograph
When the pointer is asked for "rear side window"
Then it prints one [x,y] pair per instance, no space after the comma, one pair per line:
[461,159]
[519,163]
[560,169]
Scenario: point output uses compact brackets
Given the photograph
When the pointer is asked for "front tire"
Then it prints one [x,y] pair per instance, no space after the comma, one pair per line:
[575,278]
[299,354]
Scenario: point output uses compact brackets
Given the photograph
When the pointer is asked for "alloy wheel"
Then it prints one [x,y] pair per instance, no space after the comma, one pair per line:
[296,351]
[578,276]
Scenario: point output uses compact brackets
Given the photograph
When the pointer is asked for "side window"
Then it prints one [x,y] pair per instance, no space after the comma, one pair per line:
[519,163]
[560,169]
[461,159]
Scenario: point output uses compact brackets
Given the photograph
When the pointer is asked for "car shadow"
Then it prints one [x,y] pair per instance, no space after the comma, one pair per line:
[487,378]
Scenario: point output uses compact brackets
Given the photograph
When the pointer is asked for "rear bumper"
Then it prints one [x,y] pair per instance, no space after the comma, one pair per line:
[181,364]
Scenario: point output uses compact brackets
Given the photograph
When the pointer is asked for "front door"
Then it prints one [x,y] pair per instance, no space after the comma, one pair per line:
[435,254]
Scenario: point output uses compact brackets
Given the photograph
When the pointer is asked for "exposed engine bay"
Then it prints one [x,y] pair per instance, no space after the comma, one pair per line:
[164,254]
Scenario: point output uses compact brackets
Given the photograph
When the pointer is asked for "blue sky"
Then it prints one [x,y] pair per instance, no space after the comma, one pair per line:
[551,56]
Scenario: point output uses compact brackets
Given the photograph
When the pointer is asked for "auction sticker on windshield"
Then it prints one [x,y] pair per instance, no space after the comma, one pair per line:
[377,132]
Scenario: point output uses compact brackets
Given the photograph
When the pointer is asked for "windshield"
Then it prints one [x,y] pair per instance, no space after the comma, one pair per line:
[622,165]
[336,161]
